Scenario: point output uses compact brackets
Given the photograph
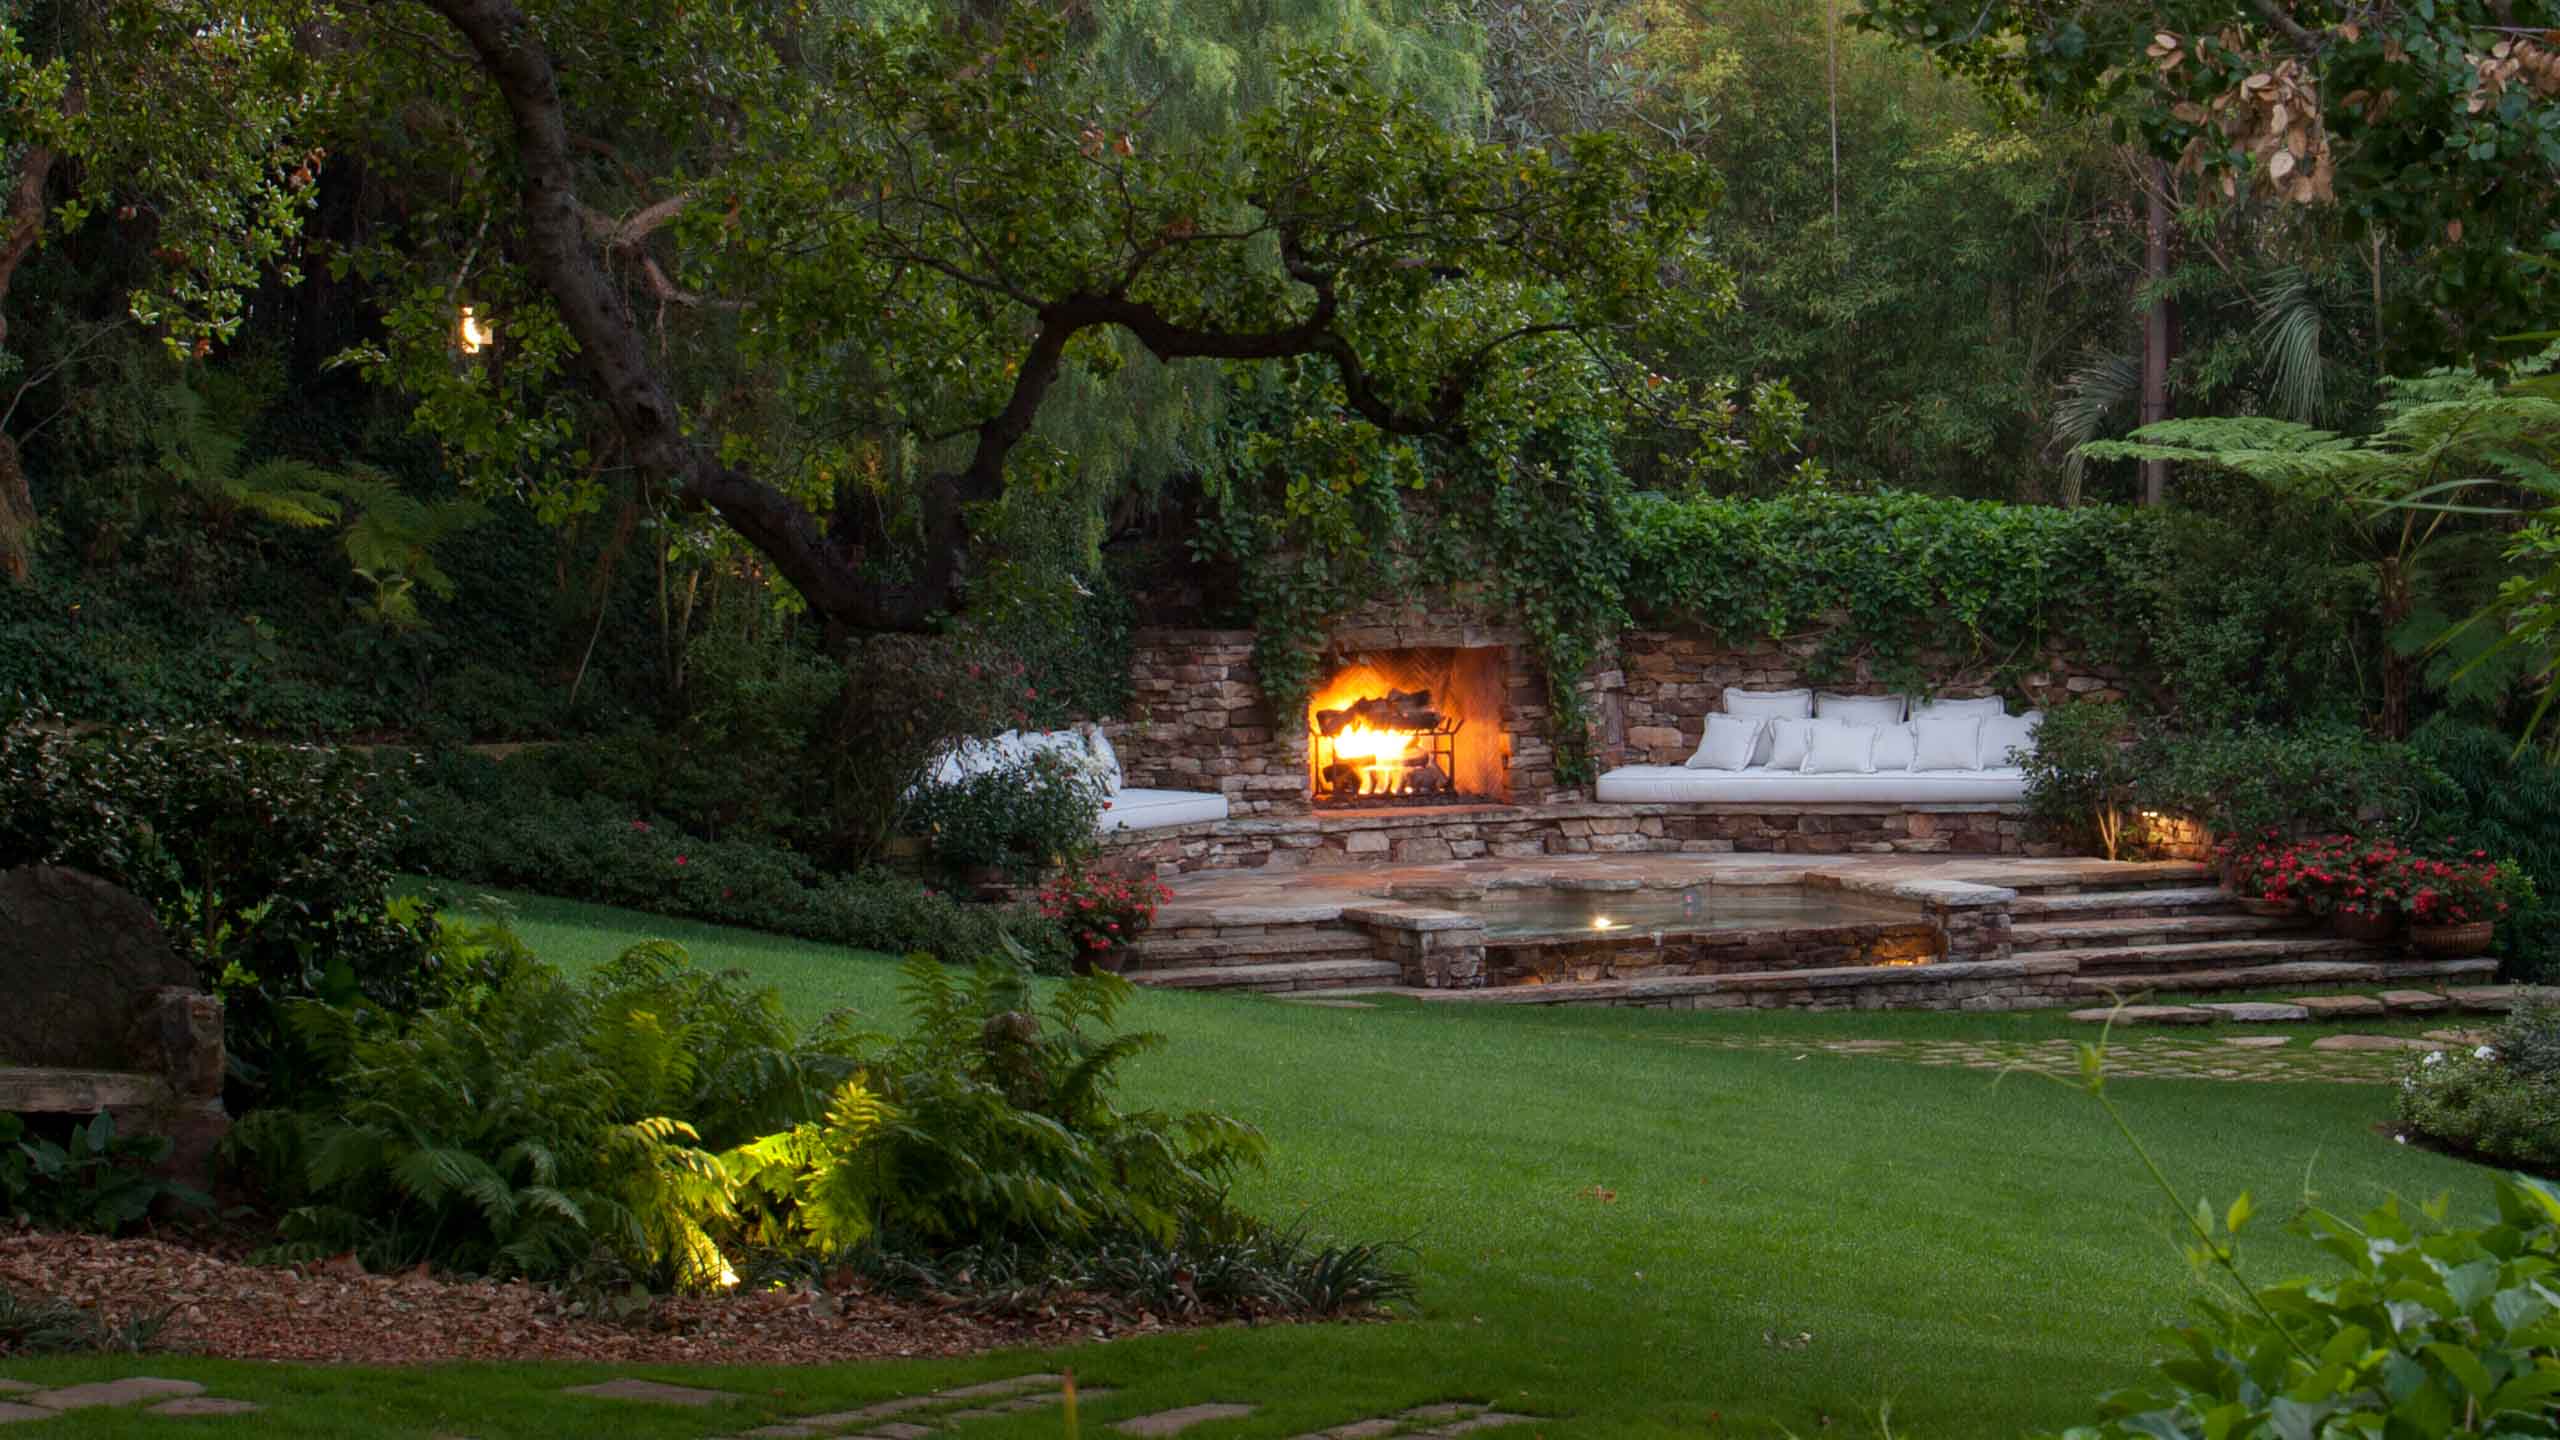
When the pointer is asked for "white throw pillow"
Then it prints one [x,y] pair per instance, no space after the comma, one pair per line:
[1984,706]
[1772,704]
[1836,747]
[1785,746]
[1859,709]
[2006,735]
[1730,742]
[1769,705]
[1894,747]
[1106,759]
[1947,742]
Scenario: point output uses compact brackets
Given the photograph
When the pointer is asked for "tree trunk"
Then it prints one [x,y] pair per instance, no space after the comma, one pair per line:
[2398,671]
[24,226]
[2155,328]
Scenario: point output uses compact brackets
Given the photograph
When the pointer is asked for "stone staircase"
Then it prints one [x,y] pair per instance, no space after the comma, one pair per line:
[1266,958]
[2169,934]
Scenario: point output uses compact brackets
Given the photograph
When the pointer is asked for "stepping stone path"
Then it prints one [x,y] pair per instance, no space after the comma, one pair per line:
[935,1414]
[177,1399]
[2372,1042]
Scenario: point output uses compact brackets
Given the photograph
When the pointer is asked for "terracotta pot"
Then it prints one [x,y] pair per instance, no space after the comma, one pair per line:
[2259,906]
[2454,940]
[1113,961]
[2373,928]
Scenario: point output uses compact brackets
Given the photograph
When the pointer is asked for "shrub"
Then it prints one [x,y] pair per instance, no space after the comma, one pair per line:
[485,822]
[89,1178]
[1101,911]
[269,865]
[2499,1101]
[2508,804]
[2084,775]
[2439,1333]
[1020,818]
[883,735]
[2292,782]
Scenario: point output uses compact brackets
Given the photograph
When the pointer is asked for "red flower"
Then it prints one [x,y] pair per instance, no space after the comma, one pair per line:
[682,860]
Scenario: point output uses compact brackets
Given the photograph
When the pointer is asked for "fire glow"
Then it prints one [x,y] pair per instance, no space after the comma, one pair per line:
[1380,756]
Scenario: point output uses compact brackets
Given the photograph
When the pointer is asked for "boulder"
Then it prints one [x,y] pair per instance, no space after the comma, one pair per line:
[78,958]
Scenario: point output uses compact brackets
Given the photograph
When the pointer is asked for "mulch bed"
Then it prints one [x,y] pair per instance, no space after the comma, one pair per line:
[334,1311]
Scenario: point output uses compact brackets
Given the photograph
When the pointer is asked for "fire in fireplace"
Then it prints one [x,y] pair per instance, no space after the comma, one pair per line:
[1409,727]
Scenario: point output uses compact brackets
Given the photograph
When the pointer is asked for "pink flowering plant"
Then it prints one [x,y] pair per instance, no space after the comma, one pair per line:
[1101,910]
[2458,891]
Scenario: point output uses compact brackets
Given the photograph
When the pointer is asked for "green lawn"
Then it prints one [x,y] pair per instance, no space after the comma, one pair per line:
[1632,1235]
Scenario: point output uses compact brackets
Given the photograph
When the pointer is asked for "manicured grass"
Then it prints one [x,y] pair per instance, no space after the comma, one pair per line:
[1632,1235]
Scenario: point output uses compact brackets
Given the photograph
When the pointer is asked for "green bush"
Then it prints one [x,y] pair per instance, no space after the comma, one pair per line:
[86,1178]
[2303,781]
[1022,818]
[2084,777]
[2499,1101]
[2509,805]
[268,865]
[489,822]
[2420,1334]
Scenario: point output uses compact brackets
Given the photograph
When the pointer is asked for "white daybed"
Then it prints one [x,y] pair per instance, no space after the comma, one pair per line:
[1793,747]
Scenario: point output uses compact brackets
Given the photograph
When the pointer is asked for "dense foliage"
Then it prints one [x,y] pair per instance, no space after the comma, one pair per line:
[486,822]
[85,1176]
[269,866]
[656,1120]
[2422,1330]
[1019,819]
[2498,1102]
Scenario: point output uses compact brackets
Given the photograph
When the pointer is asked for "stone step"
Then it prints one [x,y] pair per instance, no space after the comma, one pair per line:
[2284,976]
[2098,877]
[2109,904]
[2149,930]
[1293,942]
[1283,975]
[2137,960]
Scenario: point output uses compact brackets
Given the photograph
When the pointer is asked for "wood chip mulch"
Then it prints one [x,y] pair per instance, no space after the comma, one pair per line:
[334,1311]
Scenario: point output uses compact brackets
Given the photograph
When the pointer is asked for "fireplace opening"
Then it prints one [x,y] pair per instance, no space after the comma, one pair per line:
[1410,728]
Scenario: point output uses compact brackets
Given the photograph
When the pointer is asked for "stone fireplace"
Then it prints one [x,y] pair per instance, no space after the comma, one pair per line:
[1453,694]
[1410,727]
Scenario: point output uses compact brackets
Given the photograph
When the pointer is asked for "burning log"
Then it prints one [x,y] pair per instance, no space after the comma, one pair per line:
[1343,780]
[1395,710]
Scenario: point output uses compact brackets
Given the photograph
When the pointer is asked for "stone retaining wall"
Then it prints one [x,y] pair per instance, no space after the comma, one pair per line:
[1412,837]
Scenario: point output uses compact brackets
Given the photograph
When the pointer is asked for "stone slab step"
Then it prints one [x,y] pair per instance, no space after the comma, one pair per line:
[2304,972]
[1284,975]
[2099,904]
[1914,979]
[2136,960]
[2098,876]
[1295,942]
[2072,934]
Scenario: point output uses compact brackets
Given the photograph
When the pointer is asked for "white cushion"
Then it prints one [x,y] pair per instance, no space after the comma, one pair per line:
[1834,747]
[1784,749]
[1730,742]
[1767,705]
[1947,742]
[1105,757]
[1156,809]
[1859,709]
[1676,784]
[1984,706]
[1894,747]
[2003,737]
[1774,704]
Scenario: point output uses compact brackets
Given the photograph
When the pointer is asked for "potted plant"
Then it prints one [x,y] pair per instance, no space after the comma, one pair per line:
[2454,904]
[2346,879]
[2265,875]
[1102,911]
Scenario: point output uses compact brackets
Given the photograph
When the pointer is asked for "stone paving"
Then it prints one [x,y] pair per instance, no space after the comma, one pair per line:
[918,1417]
[2334,1059]
[21,1402]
